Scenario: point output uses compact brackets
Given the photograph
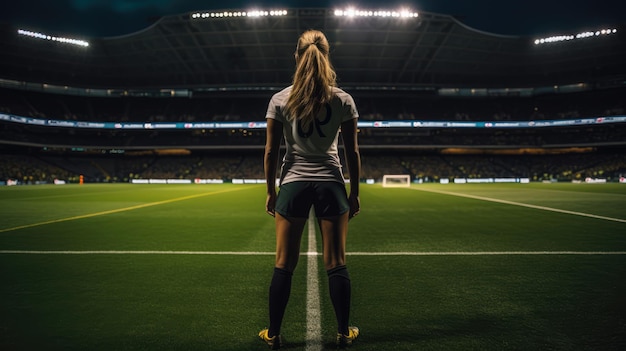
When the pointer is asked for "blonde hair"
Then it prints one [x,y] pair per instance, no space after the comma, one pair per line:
[313,79]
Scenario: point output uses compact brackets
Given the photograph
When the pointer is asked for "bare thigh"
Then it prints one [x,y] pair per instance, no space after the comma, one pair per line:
[334,235]
[288,237]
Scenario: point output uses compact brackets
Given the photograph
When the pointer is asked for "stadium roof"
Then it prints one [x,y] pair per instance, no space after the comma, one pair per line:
[194,51]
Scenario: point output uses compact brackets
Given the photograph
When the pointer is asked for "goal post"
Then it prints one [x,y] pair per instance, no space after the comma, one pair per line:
[396,180]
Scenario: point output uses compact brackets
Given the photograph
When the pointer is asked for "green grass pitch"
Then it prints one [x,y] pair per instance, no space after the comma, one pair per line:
[434,267]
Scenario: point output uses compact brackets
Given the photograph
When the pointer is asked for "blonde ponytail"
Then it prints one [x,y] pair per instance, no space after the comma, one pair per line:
[312,80]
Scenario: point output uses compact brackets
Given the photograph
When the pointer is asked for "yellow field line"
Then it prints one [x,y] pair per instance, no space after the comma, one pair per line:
[102,213]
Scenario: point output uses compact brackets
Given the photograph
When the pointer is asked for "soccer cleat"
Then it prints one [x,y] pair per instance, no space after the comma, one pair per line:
[274,342]
[346,340]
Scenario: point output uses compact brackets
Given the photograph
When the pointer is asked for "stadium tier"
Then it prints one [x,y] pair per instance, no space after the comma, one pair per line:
[425,84]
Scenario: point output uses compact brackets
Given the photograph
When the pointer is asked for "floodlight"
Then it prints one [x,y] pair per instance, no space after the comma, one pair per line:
[351,12]
[42,36]
[582,35]
[227,14]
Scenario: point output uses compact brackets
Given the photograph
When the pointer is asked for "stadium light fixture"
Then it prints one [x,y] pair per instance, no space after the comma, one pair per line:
[352,12]
[42,36]
[230,14]
[583,35]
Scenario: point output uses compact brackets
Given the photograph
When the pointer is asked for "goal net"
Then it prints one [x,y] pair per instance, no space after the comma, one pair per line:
[396,180]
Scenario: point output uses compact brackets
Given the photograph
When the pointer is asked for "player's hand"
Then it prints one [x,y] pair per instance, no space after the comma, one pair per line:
[355,205]
[270,205]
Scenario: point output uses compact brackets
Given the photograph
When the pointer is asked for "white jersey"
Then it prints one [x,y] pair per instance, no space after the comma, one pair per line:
[312,152]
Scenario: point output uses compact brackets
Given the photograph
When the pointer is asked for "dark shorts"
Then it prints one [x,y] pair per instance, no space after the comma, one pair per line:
[296,198]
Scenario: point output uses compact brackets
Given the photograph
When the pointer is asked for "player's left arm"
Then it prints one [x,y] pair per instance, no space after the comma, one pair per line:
[270,161]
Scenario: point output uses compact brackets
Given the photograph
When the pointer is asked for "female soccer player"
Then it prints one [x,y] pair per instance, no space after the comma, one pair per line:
[309,115]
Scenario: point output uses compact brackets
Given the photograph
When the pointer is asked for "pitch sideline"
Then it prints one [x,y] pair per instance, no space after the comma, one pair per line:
[117,210]
[521,204]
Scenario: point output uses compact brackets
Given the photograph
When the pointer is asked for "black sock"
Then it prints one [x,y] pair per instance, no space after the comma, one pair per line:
[280,288]
[340,291]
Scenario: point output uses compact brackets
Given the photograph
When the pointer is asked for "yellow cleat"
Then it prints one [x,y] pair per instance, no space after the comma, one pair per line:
[274,342]
[346,340]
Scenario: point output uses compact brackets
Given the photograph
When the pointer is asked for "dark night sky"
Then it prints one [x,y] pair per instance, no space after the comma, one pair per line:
[97,18]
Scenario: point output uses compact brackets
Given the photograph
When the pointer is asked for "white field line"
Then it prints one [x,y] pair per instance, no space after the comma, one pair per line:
[136,252]
[313,309]
[311,255]
[582,214]
[486,253]
[117,210]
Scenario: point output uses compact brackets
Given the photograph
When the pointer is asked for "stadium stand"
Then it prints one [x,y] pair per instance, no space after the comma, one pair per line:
[190,68]
[385,106]
[424,165]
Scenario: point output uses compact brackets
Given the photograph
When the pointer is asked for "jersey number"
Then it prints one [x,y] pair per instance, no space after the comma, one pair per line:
[318,125]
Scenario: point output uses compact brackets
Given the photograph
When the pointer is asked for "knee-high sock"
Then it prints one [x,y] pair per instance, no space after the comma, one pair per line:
[340,292]
[280,289]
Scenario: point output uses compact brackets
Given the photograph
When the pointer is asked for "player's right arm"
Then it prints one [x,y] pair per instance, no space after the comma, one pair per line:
[353,161]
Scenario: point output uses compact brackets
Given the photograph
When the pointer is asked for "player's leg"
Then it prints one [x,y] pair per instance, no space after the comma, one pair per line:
[291,215]
[334,232]
[332,210]
[288,236]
